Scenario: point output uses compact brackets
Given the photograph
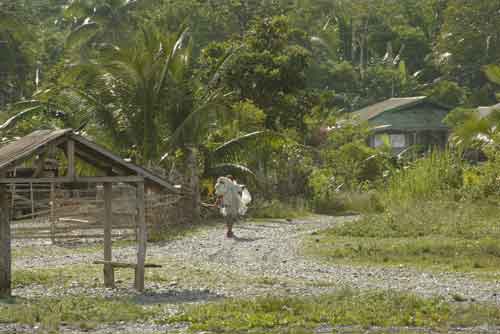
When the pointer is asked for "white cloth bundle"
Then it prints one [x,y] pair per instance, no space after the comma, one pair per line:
[232,202]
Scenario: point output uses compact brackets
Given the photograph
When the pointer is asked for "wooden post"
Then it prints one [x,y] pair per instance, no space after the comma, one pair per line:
[109,279]
[52,213]
[142,238]
[13,192]
[32,198]
[5,246]
[70,154]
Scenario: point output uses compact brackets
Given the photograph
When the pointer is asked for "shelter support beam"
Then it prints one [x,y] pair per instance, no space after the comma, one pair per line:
[141,238]
[70,155]
[5,245]
[109,279]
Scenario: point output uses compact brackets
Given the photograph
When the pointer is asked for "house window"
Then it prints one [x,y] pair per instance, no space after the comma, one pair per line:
[378,140]
[396,140]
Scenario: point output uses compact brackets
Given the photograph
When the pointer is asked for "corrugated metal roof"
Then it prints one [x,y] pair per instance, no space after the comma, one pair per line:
[26,146]
[116,160]
[376,109]
[17,151]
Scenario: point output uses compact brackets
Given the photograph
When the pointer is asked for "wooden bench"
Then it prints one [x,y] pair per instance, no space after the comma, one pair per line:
[109,270]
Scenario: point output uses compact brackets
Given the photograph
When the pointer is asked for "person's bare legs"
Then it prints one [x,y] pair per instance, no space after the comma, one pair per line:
[229,226]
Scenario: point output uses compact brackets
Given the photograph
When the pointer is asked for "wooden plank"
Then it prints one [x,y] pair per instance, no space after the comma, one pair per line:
[141,238]
[70,154]
[109,279]
[5,246]
[28,150]
[74,220]
[117,161]
[87,157]
[114,179]
[68,228]
[72,236]
[81,179]
[126,265]
[52,213]
[11,180]
[32,199]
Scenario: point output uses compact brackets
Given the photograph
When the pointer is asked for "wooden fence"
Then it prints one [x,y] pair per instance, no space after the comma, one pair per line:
[43,211]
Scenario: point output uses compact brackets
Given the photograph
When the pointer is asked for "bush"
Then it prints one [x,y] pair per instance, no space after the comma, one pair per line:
[438,175]
[450,235]
[275,209]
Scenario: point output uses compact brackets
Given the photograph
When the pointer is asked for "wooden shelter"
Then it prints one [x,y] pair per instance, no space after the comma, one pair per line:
[46,151]
[406,121]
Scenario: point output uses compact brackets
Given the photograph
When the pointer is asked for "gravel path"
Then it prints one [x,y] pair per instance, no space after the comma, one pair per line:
[272,251]
[265,258]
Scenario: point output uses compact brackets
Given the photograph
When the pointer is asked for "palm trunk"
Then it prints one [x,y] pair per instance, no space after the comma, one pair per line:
[149,134]
[194,183]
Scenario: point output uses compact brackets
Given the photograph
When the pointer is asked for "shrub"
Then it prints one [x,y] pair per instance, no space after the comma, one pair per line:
[438,175]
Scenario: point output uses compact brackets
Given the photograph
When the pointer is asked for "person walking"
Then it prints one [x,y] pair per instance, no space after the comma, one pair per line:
[228,194]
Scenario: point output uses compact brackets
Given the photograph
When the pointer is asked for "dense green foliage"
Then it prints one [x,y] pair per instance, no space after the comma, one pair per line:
[180,84]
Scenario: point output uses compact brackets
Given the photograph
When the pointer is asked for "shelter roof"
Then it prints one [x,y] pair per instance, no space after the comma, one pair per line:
[16,152]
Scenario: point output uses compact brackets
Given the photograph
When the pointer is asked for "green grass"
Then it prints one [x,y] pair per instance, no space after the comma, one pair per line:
[277,209]
[61,276]
[78,311]
[345,308]
[82,275]
[62,250]
[444,235]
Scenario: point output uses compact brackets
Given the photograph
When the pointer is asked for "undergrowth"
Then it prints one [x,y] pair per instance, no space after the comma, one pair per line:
[345,308]
[429,220]
[81,311]
[444,235]
[276,209]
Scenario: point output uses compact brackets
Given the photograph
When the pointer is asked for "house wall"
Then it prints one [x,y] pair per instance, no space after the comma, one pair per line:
[421,124]
[425,138]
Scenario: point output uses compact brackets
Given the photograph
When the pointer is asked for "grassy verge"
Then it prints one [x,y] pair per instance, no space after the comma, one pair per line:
[62,250]
[277,209]
[79,311]
[445,235]
[61,276]
[346,308]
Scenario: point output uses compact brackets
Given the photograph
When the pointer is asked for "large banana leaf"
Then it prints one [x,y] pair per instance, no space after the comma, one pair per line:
[236,148]
[82,34]
[180,41]
[193,127]
[493,73]
[229,168]
[19,117]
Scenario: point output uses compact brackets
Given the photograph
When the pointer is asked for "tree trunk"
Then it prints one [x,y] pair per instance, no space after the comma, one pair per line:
[194,183]
[149,141]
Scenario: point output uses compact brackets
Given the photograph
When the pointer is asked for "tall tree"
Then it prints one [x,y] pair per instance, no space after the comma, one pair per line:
[268,69]
[470,39]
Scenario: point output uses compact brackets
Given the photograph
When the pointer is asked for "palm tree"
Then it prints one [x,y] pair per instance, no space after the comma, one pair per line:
[143,94]
[15,60]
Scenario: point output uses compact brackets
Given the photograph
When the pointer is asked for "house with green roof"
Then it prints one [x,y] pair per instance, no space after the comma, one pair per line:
[406,121]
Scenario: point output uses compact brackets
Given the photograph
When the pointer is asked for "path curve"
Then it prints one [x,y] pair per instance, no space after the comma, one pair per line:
[273,250]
